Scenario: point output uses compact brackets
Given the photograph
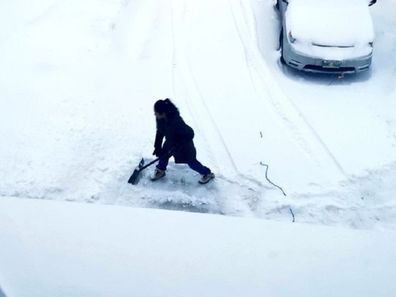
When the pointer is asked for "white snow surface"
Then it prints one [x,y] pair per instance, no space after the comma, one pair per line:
[79,78]
[68,249]
[331,22]
[331,29]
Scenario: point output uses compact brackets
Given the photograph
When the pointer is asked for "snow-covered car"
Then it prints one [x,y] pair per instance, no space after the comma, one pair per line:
[328,36]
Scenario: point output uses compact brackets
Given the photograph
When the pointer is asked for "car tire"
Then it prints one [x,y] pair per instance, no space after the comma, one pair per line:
[280,41]
[281,46]
[282,59]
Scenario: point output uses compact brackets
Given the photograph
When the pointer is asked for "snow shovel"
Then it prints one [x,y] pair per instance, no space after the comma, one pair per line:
[134,179]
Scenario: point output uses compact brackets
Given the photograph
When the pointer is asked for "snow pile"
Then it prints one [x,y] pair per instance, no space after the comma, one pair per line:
[72,249]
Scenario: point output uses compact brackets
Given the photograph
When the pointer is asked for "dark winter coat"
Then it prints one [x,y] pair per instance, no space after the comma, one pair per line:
[178,139]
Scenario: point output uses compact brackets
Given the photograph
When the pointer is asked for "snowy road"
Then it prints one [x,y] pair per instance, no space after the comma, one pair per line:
[82,118]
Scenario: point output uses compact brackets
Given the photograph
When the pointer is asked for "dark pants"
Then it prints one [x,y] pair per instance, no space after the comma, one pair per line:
[194,165]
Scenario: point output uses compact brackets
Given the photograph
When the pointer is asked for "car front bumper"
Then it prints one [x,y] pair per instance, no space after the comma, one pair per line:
[317,65]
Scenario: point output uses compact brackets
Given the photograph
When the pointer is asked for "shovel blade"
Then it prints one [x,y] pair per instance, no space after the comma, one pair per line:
[134,179]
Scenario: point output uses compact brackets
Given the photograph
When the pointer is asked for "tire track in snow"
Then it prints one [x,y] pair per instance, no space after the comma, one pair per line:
[259,90]
[189,88]
[276,106]
[191,80]
[178,77]
[174,53]
[192,94]
[282,105]
[186,86]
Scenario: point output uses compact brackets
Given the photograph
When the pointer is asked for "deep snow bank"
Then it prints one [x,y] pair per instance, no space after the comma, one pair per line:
[70,249]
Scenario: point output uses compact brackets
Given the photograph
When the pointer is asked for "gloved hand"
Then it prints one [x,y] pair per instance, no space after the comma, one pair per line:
[157,151]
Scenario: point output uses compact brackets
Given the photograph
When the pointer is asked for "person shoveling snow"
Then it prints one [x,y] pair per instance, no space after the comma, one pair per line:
[178,143]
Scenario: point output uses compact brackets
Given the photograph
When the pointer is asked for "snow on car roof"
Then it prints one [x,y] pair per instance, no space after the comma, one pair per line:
[330,22]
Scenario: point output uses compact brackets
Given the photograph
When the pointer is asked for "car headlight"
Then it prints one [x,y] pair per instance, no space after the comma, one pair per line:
[291,38]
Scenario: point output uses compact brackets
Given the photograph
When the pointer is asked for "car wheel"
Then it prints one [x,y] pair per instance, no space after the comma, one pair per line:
[281,46]
[282,60]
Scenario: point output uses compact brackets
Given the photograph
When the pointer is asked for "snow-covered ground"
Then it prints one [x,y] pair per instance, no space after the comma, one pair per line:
[69,249]
[78,81]
[352,119]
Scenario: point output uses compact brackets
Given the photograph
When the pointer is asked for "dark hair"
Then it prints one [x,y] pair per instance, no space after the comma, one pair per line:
[166,106]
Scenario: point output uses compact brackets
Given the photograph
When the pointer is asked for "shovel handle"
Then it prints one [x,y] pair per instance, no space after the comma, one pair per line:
[149,164]
[171,151]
